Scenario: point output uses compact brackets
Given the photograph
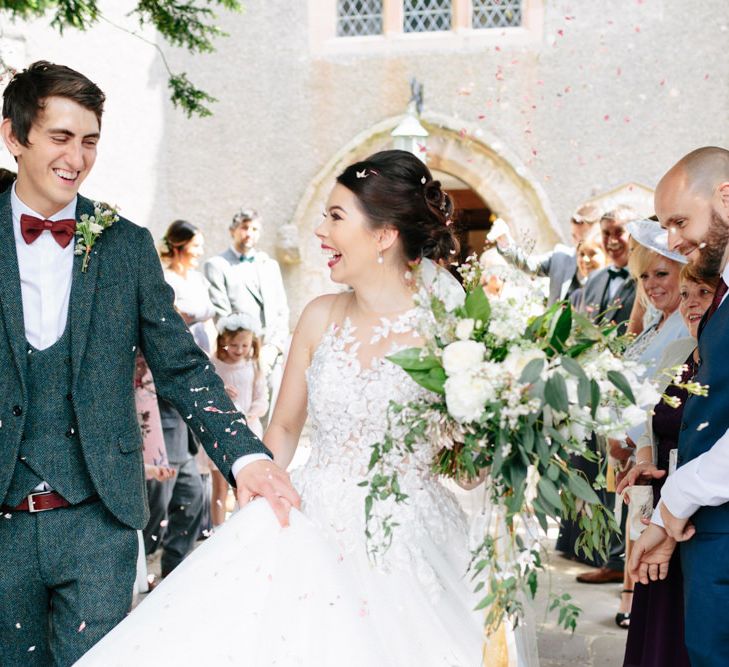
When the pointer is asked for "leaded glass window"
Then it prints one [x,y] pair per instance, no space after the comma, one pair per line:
[359,17]
[496,14]
[426,15]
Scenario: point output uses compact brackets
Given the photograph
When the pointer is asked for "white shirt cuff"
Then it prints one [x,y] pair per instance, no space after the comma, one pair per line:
[243,461]
[657,518]
[682,491]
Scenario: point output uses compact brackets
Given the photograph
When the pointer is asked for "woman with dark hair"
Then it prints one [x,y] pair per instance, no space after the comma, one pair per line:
[180,251]
[310,594]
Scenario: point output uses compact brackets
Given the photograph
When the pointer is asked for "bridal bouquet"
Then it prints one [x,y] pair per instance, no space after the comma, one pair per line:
[516,392]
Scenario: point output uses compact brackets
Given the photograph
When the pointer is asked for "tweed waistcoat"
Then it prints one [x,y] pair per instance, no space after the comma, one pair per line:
[706,418]
[50,449]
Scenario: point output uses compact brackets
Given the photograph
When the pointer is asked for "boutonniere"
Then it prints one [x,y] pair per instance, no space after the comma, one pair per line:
[90,227]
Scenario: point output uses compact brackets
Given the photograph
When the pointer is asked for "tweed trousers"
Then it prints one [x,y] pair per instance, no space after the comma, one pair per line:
[74,566]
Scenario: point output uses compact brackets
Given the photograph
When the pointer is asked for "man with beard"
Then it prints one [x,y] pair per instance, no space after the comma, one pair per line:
[692,203]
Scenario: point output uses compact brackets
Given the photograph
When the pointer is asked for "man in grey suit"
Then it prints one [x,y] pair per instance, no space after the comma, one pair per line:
[560,264]
[609,293]
[244,279]
[71,473]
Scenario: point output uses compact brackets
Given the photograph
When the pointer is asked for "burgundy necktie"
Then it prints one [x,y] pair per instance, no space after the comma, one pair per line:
[62,230]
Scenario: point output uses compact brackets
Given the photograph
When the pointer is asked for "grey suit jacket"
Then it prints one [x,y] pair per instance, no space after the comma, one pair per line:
[559,265]
[230,293]
[618,310]
[121,304]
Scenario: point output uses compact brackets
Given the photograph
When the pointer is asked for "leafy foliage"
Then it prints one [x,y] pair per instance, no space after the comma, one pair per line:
[189,25]
[544,385]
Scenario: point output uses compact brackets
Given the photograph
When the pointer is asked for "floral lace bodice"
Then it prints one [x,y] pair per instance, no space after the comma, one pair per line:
[347,405]
[348,399]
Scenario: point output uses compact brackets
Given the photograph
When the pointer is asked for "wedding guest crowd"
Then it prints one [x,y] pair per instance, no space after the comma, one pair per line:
[238,315]
[620,270]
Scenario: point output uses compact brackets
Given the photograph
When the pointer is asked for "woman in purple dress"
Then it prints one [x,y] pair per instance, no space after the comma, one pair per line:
[656,633]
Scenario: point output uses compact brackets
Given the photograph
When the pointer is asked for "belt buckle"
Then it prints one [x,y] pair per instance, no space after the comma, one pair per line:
[31,499]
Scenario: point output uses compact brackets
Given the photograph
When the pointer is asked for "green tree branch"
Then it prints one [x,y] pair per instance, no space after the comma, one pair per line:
[189,25]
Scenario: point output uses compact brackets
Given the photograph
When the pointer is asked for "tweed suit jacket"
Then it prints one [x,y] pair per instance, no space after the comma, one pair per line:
[559,265]
[619,310]
[120,305]
[229,293]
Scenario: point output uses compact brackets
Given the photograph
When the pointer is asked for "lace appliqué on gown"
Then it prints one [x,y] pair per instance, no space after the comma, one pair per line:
[348,406]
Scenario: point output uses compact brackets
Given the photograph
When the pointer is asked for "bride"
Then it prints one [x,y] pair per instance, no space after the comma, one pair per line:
[308,594]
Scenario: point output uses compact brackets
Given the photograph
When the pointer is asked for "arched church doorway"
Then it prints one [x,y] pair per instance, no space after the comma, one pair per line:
[485,178]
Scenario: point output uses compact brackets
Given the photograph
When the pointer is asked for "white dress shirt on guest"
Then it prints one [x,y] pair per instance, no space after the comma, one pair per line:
[702,481]
[46,270]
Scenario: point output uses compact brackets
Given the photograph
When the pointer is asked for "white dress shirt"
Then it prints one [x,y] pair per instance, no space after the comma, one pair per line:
[46,270]
[700,482]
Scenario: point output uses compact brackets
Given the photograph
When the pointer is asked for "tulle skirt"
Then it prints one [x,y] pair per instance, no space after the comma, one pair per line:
[258,595]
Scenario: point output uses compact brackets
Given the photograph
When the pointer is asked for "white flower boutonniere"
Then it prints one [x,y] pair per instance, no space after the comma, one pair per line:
[90,227]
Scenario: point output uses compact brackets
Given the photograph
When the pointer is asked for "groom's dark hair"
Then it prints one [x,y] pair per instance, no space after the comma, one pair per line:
[26,94]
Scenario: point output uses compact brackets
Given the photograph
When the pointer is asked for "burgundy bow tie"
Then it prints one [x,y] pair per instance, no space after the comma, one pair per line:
[31,228]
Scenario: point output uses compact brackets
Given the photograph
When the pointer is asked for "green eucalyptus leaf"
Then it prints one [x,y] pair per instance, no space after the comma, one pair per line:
[618,379]
[532,371]
[555,393]
[578,485]
[477,305]
[549,492]
[412,359]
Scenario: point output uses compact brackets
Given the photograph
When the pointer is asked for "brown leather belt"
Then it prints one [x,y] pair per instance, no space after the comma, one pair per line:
[45,500]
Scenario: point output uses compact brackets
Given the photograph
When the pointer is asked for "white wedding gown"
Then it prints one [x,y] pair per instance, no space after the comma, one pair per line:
[258,595]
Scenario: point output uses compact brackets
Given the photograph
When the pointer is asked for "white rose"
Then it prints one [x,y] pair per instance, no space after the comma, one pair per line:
[463,355]
[96,228]
[466,396]
[464,329]
[518,358]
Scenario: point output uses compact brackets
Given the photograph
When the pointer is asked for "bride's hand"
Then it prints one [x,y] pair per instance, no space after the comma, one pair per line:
[265,478]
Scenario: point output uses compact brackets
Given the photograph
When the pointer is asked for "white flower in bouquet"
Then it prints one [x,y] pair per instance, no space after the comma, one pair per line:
[461,356]
[95,228]
[632,415]
[646,394]
[464,328]
[466,395]
[518,358]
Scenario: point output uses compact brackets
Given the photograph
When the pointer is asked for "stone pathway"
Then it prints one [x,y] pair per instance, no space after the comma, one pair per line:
[597,642]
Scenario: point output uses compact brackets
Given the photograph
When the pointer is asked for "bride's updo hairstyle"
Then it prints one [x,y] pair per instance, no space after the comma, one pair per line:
[395,189]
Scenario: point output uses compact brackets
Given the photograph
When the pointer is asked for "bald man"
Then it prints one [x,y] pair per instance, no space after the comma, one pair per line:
[692,203]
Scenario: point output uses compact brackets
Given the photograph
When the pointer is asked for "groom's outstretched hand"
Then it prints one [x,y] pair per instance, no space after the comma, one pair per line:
[265,478]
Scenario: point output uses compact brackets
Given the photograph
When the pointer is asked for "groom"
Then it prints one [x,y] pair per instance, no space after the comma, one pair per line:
[71,472]
[692,203]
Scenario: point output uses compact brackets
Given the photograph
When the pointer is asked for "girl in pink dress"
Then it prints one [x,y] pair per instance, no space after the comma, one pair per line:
[236,362]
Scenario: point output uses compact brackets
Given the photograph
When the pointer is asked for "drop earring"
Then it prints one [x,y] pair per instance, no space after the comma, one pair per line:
[380,258]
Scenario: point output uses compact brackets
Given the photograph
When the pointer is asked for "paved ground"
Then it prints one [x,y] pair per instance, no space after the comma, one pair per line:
[598,642]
